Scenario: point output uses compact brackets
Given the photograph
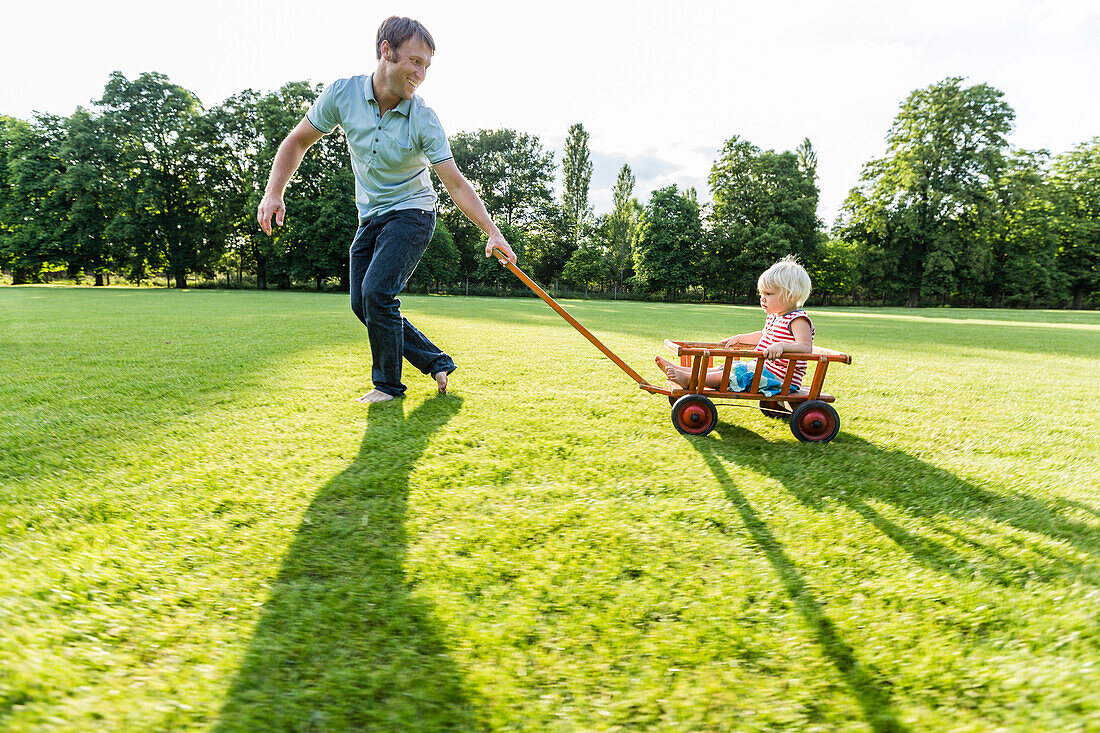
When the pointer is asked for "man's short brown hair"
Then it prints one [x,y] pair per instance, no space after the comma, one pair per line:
[397,30]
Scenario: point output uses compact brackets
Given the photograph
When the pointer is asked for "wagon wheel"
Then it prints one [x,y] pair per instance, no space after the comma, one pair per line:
[815,422]
[778,410]
[694,415]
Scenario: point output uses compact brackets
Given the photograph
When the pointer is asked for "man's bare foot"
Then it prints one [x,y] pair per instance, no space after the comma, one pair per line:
[676,374]
[441,381]
[374,396]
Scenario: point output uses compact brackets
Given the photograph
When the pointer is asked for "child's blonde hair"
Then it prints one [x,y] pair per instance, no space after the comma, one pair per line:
[789,278]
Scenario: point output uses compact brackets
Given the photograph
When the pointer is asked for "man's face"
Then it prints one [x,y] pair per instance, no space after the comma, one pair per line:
[407,66]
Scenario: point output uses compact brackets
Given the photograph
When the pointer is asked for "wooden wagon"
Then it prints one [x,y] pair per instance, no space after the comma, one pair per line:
[808,410]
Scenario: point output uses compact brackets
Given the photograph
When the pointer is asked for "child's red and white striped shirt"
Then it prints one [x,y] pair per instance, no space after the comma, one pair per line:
[777,328]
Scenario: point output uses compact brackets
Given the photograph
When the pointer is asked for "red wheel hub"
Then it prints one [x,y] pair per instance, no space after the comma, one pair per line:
[815,423]
[694,416]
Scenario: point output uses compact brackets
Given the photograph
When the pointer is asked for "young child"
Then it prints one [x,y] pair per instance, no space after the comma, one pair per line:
[783,288]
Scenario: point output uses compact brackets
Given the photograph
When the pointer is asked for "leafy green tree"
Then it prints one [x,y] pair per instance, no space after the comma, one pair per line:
[922,200]
[577,169]
[764,207]
[152,123]
[1075,179]
[317,239]
[489,269]
[512,174]
[289,254]
[587,266]
[872,230]
[440,263]
[620,226]
[665,248]
[510,170]
[92,200]
[8,126]
[549,244]
[1021,241]
[34,209]
[807,159]
[835,272]
[235,133]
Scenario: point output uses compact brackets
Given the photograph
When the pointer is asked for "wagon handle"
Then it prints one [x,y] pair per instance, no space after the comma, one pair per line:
[499,254]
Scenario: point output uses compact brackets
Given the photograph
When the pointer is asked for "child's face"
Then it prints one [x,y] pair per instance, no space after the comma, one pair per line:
[773,302]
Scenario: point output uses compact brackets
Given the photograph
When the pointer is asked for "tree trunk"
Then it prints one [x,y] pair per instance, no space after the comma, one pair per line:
[261,274]
[181,279]
[914,298]
[99,279]
[1078,297]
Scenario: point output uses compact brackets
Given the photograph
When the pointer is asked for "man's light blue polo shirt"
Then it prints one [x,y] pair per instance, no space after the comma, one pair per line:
[390,155]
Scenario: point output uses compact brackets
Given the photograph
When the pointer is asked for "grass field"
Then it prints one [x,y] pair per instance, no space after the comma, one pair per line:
[199,530]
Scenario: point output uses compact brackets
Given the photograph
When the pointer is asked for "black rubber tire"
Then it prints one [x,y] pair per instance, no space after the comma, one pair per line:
[815,422]
[694,415]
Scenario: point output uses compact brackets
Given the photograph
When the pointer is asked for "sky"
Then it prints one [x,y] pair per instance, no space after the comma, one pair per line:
[659,85]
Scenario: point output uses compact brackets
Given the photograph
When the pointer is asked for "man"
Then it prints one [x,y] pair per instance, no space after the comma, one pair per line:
[393,137]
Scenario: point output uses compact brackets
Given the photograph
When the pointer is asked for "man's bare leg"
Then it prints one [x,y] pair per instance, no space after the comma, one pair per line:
[441,381]
[374,396]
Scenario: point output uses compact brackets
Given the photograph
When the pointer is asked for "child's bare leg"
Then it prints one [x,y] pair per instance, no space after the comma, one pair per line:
[714,377]
[682,375]
[678,374]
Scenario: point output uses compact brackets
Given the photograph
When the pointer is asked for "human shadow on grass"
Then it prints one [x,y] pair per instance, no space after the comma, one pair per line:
[870,690]
[342,642]
[856,474]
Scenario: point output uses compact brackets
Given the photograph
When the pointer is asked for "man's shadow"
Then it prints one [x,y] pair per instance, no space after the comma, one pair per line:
[342,643]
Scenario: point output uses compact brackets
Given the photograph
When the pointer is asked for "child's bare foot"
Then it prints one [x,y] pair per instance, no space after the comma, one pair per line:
[441,381]
[676,374]
[374,396]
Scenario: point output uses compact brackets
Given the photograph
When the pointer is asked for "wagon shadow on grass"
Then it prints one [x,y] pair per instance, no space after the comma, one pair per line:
[856,474]
[342,643]
[867,686]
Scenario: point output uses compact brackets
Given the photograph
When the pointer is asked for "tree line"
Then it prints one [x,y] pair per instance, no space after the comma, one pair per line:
[150,183]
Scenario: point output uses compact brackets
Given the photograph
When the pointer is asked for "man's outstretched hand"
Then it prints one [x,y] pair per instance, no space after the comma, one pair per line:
[497,241]
[270,205]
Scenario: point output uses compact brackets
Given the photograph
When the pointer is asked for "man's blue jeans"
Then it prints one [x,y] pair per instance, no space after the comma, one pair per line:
[383,256]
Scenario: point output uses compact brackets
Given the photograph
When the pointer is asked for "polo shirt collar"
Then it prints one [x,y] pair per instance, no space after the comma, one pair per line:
[403,106]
